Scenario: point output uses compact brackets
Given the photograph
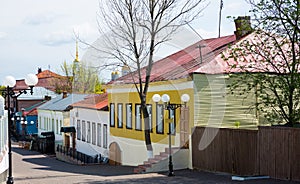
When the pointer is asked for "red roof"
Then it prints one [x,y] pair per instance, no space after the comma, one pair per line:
[46,80]
[182,63]
[48,74]
[33,112]
[95,101]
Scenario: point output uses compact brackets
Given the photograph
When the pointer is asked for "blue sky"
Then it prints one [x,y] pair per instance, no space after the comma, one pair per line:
[35,33]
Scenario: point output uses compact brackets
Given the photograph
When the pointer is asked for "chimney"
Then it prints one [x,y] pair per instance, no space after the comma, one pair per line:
[39,70]
[242,26]
[47,98]
[65,94]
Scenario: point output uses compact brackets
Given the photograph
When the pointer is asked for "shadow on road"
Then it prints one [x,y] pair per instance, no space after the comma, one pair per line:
[49,162]
[119,174]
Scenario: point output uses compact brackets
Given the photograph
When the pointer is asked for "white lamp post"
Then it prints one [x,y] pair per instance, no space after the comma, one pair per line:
[165,98]
[9,82]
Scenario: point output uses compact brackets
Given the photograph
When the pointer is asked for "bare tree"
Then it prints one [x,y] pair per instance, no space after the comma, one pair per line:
[133,30]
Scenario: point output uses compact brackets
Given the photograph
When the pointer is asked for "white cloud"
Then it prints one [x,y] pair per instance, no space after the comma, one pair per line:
[86,31]
[42,18]
[57,38]
[207,34]
[3,35]
[233,6]
[237,8]
[68,34]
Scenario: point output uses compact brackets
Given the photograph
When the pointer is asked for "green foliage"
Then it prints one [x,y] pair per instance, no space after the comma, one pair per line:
[80,77]
[237,124]
[2,88]
[98,87]
[269,61]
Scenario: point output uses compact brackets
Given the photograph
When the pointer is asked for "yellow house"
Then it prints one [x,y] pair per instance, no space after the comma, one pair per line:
[172,75]
[126,122]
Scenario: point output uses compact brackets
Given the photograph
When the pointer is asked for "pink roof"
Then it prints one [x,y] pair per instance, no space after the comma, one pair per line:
[251,63]
[182,63]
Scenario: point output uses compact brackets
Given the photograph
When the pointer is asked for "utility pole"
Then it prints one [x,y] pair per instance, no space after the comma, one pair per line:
[220,16]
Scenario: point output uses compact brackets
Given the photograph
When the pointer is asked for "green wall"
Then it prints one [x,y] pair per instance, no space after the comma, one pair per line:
[215,106]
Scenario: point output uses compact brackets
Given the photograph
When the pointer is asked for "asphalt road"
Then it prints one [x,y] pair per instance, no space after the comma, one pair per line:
[30,167]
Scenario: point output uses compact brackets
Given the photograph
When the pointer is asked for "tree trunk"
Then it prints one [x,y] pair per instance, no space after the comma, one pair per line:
[147,130]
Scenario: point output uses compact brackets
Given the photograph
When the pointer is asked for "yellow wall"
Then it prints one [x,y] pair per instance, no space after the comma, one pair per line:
[131,96]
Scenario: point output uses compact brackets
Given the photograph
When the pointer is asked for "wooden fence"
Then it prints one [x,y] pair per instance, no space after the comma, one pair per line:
[272,151]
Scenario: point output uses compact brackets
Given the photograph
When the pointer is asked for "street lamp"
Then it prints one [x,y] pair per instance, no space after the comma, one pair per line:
[9,82]
[170,106]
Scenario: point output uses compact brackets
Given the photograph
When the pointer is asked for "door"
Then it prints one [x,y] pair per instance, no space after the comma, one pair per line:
[114,154]
[184,127]
[67,140]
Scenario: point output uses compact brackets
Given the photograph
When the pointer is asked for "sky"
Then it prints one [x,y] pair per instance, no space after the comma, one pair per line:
[35,33]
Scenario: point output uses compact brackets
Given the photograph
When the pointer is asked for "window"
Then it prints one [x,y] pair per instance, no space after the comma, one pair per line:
[112,115]
[52,124]
[83,131]
[94,133]
[159,119]
[88,135]
[78,130]
[60,125]
[138,117]
[99,133]
[38,122]
[129,116]
[149,109]
[120,115]
[104,136]
[44,124]
[172,125]
[57,128]
[49,124]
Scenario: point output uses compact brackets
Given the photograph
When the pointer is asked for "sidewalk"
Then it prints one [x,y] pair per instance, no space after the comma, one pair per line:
[30,167]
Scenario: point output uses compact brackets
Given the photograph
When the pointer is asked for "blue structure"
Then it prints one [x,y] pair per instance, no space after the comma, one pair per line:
[31,127]
[27,120]
[26,125]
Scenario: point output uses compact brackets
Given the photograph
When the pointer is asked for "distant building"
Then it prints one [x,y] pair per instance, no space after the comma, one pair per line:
[39,95]
[44,89]
[55,114]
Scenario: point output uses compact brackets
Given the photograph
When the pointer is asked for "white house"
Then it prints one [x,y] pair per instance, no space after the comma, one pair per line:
[55,114]
[90,118]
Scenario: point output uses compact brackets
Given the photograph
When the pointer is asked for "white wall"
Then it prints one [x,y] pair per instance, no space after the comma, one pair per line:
[51,121]
[134,152]
[100,118]
[3,143]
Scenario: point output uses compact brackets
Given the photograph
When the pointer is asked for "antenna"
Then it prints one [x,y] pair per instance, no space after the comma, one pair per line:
[200,51]
[198,46]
